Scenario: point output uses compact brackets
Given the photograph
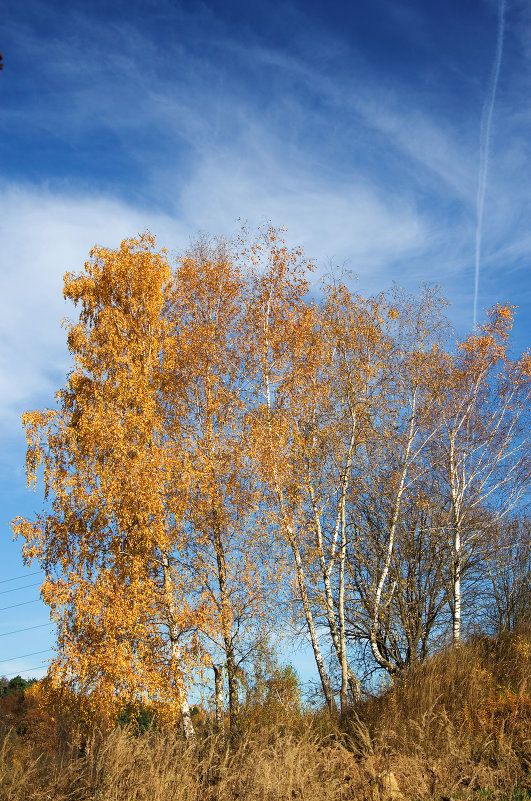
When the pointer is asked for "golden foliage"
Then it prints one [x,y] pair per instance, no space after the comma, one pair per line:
[209,454]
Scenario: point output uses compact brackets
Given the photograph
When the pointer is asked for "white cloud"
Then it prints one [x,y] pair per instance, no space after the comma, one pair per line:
[338,222]
[45,234]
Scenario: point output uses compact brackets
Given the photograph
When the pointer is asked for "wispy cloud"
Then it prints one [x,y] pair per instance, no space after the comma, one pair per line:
[188,132]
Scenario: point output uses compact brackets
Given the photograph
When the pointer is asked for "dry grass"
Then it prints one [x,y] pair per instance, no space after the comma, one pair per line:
[160,767]
[460,723]
[459,727]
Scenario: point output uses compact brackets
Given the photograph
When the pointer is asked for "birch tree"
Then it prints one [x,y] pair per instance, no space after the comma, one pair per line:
[223,445]
[117,485]
[484,453]
[280,321]
[209,379]
[331,395]
[395,473]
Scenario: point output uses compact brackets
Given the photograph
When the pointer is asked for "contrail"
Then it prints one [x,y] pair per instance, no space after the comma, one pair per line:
[484,144]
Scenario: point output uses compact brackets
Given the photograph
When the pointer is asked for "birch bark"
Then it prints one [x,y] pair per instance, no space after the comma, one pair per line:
[176,656]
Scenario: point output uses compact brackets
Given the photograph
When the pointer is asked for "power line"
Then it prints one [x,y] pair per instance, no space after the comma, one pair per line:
[16,578]
[29,628]
[24,587]
[24,603]
[23,656]
[24,670]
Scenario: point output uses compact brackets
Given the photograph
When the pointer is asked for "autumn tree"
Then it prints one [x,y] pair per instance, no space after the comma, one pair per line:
[154,548]
[280,322]
[209,378]
[117,482]
[321,368]
[329,400]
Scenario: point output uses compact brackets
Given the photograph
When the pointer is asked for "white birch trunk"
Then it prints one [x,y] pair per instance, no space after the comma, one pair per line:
[456,582]
[456,501]
[373,637]
[303,592]
[341,613]
[218,690]
[176,654]
[338,635]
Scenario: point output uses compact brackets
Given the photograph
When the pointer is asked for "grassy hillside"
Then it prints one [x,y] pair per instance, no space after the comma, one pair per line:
[459,727]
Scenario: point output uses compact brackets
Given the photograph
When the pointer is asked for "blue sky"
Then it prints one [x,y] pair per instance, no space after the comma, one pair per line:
[356,125]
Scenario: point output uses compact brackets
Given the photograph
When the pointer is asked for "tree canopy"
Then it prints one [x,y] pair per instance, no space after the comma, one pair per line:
[229,456]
